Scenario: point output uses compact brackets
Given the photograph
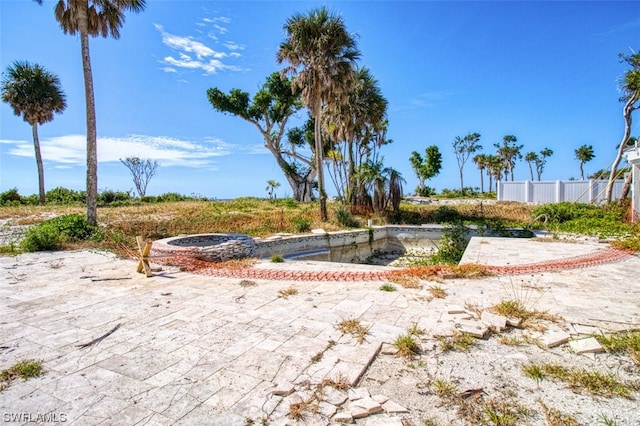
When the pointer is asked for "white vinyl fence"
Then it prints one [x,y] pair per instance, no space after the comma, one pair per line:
[576,191]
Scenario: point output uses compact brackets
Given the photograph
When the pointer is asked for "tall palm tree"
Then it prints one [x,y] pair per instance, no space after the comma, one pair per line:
[92,18]
[630,87]
[531,157]
[34,93]
[482,162]
[584,154]
[509,151]
[321,55]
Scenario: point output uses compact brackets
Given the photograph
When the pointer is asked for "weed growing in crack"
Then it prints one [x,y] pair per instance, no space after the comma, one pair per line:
[290,291]
[340,382]
[511,341]
[277,258]
[387,287]
[354,327]
[25,369]
[405,282]
[438,292]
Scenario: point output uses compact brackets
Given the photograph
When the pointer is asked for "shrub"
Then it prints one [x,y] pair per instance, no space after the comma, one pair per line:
[109,197]
[50,234]
[302,224]
[345,218]
[170,197]
[446,214]
[10,196]
[452,245]
[62,195]
[426,191]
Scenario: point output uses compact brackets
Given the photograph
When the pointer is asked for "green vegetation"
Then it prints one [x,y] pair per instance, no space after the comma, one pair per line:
[25,369]
[586,219]
[387,287]
[354,327]
[53,233]
[459,342]
[627,343]
[592,382]
[277,258]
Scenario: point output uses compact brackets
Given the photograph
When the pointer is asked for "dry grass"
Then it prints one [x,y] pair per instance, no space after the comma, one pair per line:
[438,292]
[405,282]
[354,327]
[289,291]
[440,272]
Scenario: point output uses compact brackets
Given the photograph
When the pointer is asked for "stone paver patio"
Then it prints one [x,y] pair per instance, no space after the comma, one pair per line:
[197,349]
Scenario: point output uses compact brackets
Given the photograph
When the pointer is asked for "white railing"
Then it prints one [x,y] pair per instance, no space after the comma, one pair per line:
[577,191]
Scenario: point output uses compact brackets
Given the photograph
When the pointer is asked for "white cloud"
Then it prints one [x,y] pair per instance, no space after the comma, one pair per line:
[233,46]
[70,150]
[193,54]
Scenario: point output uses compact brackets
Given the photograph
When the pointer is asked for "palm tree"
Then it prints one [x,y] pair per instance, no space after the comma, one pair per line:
[482,161]
[321,56]
[584,154]
[34,93]
[509,151]
[630,88]
[92,18]
[531,157]
[463,148]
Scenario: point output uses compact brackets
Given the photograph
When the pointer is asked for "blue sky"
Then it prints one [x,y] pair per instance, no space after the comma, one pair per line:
[546,72]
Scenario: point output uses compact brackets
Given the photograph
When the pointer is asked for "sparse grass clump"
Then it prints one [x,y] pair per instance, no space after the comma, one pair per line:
[354,327]
[627,343]
[438,292]
[444,388]
[405,282]
[592,382]
[289,291]
[340,382]
[25,369]
[407,346]
[555,417]
[459,342]
[277,258]
[387,287]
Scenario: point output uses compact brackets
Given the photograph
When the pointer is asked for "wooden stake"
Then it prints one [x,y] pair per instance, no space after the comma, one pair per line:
[144,248]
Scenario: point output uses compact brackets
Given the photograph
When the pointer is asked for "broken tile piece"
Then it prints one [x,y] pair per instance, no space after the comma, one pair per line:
[368,404]
[358,393]
[342,417]
[498,322]
[455,309]
[284,389]
[475,328]
[551,339]
[393,407]
[586,346]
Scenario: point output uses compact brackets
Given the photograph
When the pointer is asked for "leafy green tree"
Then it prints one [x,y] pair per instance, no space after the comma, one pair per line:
[321,54]
[509,151]
[427,167]
[92,18]
[584,154]
[630,87]
[36,94]
[464,148]
[270,110]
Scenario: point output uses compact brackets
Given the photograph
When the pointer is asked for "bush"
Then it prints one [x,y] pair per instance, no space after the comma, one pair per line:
[10,196]
[109,197]
[345,218]
[170,197]
[446,214]
[427,191]
[456,193]
[302,224]
[61,195]
[41,238]
[52,233]
[452,245]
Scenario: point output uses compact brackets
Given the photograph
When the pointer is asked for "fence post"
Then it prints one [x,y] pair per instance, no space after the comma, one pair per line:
[559,191]
[528,187]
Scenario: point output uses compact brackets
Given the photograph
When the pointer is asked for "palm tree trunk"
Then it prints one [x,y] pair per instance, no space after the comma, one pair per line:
[36,146]
[581,172]
[92,137]
[626,187]
[482,183]
[626,113]
[322,195]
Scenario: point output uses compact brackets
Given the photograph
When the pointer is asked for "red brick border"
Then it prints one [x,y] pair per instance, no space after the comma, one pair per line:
[600,257]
